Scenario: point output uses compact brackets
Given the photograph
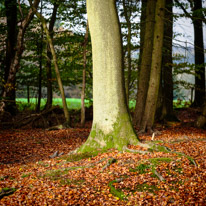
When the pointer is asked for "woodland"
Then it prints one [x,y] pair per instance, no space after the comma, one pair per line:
[135,137]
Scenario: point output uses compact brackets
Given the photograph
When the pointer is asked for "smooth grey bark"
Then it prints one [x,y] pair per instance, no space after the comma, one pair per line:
[145,65]
[84,76]
[15,61]
[154,82]
[111,126]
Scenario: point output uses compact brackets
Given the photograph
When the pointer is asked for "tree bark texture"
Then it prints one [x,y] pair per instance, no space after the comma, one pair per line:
[152,94]
[40,50]
[11,16]
[111,126]
[145,66]
[167,107]
[199,54]
[127,14]
[84,76]
[201,121]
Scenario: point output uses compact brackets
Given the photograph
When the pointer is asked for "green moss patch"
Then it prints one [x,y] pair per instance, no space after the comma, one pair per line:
[146,187]
[159,160]
[141,169]
[55,174]
[117,192]
[70,181]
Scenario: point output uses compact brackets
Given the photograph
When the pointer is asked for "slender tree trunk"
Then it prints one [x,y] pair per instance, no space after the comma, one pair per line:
[49,39]
[152,94]
[40,50]
[199,54]
[111,126]
[28,94]
[145,67]
[49,58]
[167,108]
[84,76]
[15,61]
[127,14]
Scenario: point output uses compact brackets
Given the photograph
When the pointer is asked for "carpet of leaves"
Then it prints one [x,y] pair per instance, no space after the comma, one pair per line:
[25,165]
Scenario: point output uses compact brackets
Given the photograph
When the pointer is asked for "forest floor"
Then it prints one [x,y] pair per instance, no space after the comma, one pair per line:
[30,176]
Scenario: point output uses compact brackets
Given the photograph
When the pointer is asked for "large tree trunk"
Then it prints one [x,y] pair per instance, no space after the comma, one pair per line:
[154,82]
[167,107]
[11,17]
[49,58]
[145,66]
[199,54]
[84,76]
[61,88]
[111,126]
[15,61]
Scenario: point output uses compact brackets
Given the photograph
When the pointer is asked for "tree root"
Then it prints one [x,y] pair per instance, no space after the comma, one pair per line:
[110,161]
[6,192]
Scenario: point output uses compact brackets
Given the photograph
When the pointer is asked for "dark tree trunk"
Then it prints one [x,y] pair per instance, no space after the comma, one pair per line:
[167,107]
[152,94]
[145,66]
[49,58]
[40,50]
[199,54]
[11,16]
[15,61]
[127,14]
[201,121]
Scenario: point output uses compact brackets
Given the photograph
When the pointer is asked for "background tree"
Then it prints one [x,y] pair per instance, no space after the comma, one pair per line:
[49,57]
[166,96]
[197,18]
[11,17]
[15,61]
[154,82]
[145,61]
[49,39]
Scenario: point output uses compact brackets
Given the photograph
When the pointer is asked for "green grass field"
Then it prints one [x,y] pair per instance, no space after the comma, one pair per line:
[74,103]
